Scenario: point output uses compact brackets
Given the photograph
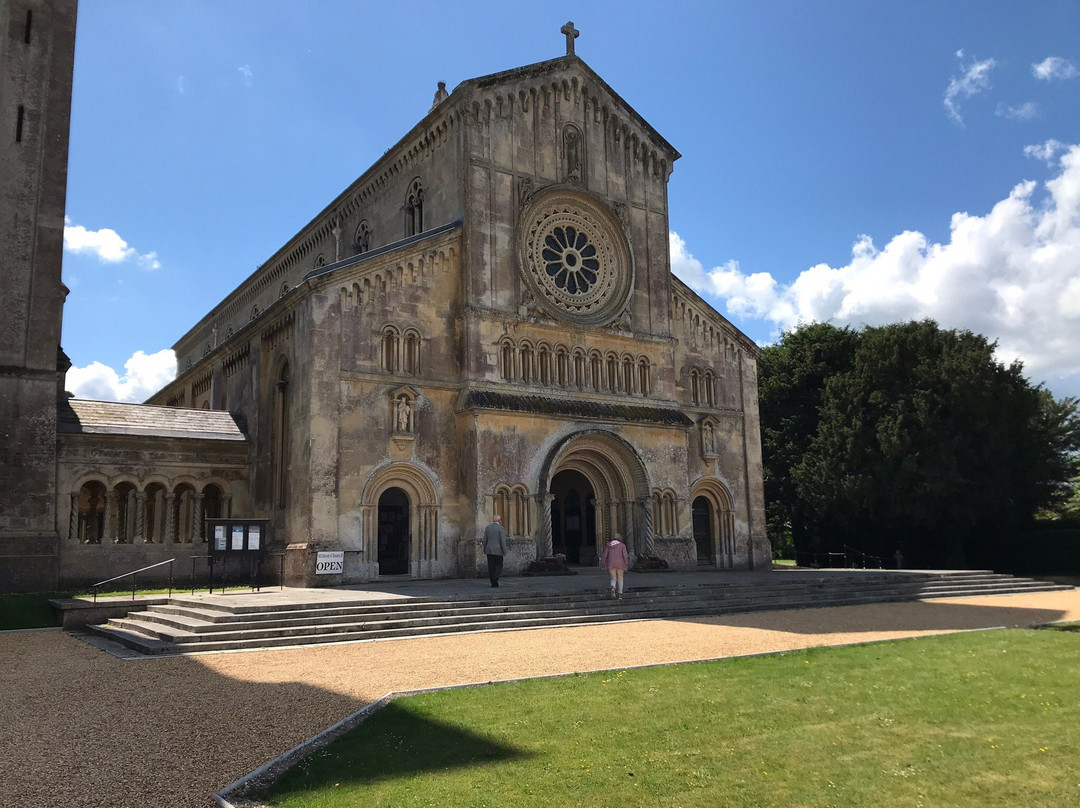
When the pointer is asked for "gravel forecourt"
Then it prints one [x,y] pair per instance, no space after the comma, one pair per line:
[80,727]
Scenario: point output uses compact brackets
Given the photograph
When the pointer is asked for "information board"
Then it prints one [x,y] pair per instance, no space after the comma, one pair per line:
[237,536]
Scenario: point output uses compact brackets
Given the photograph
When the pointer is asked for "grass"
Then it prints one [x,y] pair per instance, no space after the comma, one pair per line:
[981,719]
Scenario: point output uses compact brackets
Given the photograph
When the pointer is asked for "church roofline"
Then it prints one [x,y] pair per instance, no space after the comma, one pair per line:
[554,65]
[679,287]
[359,258]
[440,118]
[85,417]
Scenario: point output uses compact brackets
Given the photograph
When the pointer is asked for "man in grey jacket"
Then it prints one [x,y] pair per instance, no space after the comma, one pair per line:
[495,548]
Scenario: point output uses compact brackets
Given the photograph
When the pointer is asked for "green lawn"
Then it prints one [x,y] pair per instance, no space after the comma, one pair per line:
[982,719]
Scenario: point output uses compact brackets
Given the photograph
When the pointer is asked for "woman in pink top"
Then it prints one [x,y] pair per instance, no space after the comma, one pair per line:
[615,561]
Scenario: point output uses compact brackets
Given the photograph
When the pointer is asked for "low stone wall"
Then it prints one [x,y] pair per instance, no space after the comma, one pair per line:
[76,613]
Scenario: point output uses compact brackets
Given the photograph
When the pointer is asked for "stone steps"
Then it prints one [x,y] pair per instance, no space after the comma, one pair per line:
[187,625]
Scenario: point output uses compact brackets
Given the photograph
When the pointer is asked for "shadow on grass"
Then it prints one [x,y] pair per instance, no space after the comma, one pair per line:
[395,742]
[923,615]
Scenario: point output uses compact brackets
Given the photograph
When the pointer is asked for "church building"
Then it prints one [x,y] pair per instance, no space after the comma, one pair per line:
[485,322]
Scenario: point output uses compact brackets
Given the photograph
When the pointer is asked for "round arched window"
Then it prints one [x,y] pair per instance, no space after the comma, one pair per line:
[575,257]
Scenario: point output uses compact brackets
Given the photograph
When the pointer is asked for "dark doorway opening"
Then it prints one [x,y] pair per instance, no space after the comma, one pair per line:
[573,518]
[701,511]
[393,532]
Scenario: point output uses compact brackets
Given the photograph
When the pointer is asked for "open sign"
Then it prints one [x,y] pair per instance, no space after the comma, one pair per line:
[329,563]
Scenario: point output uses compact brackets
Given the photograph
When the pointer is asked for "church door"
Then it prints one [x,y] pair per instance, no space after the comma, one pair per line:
[393,532]
[573,518]
[701,512]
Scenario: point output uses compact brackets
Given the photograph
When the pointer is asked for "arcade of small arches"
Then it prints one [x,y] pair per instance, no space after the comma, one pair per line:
[400,350]
[156,511]
[560,366]
[703,386]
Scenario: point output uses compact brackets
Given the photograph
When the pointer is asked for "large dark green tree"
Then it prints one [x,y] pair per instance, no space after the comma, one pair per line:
[924,443]
[791,385]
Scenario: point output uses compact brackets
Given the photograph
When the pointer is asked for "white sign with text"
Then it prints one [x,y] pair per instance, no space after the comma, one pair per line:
[329,563]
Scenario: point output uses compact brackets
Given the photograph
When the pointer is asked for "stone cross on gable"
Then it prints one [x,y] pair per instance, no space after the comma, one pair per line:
[571,34]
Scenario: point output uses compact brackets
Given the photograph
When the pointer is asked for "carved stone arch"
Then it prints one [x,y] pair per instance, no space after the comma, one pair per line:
[620,483]
[362,237]
[413,209]
[423,513]
[184,480]
[713,511]
[573,154]
[402,401]
[154,478]
[220,482]
[709,428]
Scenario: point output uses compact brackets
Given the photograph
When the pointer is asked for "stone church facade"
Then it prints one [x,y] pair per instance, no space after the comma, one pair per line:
[484,322]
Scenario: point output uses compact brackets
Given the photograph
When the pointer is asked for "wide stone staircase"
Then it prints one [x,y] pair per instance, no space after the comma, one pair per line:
[189,625]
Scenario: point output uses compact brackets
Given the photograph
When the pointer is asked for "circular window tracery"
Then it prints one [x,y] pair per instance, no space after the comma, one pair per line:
[575,257]
[570,260]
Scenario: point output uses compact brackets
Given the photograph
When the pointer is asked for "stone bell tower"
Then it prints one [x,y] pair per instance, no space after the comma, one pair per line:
[37,48]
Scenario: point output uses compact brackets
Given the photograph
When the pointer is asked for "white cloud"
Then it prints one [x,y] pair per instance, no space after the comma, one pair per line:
[1024,112]
[144,374]
[1012,275]
[106,244]
[181,85]
[1045,151]
[245,74]
[1054,67]
[975,79]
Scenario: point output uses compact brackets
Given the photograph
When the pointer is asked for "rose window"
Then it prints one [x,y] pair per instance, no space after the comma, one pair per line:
[570,260]
[574,257]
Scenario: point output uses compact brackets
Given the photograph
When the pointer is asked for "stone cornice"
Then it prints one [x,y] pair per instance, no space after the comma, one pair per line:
[684,299]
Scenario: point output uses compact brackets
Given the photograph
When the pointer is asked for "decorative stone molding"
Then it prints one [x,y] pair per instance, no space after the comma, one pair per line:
[574,256]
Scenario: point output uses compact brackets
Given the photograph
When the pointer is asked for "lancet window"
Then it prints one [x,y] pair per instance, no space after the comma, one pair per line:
[414,208]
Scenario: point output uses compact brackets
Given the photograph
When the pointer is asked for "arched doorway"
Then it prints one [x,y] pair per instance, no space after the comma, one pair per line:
[714,520]
[393,534]
[701,511]
[573,517]
[601,478]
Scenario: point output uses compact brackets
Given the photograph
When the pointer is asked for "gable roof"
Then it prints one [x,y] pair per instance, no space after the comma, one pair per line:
[570,61]
[78,416]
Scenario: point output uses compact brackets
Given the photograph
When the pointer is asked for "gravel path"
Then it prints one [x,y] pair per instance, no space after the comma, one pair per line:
[79,727]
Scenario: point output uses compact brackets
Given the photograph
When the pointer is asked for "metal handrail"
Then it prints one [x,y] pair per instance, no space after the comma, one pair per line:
[133,573]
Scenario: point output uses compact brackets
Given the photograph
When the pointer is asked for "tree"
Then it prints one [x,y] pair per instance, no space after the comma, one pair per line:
[909,437]
[791,383]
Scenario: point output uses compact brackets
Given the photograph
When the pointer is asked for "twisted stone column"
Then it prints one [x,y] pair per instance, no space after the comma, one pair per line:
[197,520]
[106,529]
[140,517]
[226,505]
[170,518]
[543,545]
[647,546]
[73,518]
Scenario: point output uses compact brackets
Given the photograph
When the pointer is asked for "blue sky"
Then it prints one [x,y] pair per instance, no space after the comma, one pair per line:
[856,162]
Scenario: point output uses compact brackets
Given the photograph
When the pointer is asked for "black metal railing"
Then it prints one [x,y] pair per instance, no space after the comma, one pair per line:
[849,558]
[133,573]
[254,572]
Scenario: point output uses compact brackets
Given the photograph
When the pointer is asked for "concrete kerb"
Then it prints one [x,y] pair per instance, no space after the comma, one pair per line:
[266,774]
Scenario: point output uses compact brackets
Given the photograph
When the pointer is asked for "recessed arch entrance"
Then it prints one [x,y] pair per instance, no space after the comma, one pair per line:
[573,517]
[399,521]
[714,523]
[593,485]
[393,532]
